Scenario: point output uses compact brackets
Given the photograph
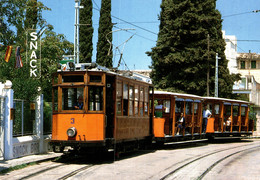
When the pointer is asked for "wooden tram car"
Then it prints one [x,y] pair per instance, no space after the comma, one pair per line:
[114,112]
[229,117]
[165,121]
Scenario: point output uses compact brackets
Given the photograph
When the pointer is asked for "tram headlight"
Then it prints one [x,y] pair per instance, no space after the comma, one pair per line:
[71,132]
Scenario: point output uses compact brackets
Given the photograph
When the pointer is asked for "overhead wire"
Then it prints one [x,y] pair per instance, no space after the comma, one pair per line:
[132,24]
[248,12]
[147,30]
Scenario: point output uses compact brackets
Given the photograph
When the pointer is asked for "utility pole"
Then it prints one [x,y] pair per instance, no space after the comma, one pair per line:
[216,76]
[208,69]
[76,32]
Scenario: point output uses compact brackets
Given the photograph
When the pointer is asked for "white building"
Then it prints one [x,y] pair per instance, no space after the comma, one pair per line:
[248,65]
[231,52]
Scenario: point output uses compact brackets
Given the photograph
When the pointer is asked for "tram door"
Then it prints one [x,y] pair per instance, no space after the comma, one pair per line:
[110,106]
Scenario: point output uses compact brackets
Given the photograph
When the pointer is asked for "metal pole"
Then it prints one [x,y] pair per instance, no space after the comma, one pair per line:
[76,32]
[208,68]
[216,76]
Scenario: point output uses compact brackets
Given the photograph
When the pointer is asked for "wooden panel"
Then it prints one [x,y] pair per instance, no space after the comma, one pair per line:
[210,125]
[158,127]
[132,127]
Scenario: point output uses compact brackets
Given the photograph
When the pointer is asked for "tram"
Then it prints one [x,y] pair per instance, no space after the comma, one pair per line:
[97,109]
[229,118]
[166,126]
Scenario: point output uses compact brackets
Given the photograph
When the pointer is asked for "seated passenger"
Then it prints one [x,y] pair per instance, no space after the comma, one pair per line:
[180,124]
[79,104]
[227,124]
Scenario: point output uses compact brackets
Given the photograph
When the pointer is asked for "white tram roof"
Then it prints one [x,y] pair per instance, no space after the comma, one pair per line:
[178,95]
[191,96]
[233,101]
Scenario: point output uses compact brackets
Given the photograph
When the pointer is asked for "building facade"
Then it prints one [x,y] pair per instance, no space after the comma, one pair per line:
[248,65]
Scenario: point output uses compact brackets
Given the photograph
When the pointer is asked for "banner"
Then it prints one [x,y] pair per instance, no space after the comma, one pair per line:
[8,53]
[18,62]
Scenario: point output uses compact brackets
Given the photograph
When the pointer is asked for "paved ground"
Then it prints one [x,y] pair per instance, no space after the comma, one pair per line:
[156,164]
[27,159]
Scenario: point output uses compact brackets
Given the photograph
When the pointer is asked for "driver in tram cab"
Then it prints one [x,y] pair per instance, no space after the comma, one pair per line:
[79,104]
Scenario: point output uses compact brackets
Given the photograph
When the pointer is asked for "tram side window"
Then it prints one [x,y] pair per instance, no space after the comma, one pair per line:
[196,106]
[217,109]
[95,98]
[235,111]
[125,100]
[188,108]
[178,106]
[167,106]
[71,97]
[55,99]
[227,111]
[119,98]
[146,92]
[131,99]
[243,111]
[141,103]
[76,78]
[136,99]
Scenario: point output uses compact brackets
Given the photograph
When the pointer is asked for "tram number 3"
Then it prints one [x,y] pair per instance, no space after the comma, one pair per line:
[72,121]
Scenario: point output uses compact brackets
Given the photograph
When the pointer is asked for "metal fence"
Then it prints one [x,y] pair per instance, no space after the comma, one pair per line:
[2,116]
[2,101]
[24,118]
[47,118]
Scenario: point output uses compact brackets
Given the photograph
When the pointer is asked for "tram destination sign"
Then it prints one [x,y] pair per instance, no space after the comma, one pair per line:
[33,53]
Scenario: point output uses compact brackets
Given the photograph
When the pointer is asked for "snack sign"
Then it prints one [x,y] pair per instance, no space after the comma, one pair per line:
[34,53]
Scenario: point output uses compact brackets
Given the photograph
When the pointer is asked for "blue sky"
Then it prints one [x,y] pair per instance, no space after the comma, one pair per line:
[144,14]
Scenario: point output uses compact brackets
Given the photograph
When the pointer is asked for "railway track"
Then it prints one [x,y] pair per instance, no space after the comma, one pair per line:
[193,167]
[61,169]
[194,162]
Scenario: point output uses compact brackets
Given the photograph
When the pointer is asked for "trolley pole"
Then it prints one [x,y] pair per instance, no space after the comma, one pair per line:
[216,76]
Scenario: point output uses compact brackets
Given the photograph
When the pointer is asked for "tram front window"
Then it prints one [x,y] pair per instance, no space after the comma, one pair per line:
[95,98]
[72,98]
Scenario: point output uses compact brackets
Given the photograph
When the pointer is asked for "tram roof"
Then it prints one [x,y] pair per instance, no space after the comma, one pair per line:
[226,100]
[94,67]
[178,95]
[191,96]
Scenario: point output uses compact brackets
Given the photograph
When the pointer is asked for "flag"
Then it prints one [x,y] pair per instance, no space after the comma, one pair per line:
[18,58]
[8,53]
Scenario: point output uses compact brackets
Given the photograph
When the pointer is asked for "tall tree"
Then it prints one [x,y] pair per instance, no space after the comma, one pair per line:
[104,56]
[86,31]
[21,15]
[181,57]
